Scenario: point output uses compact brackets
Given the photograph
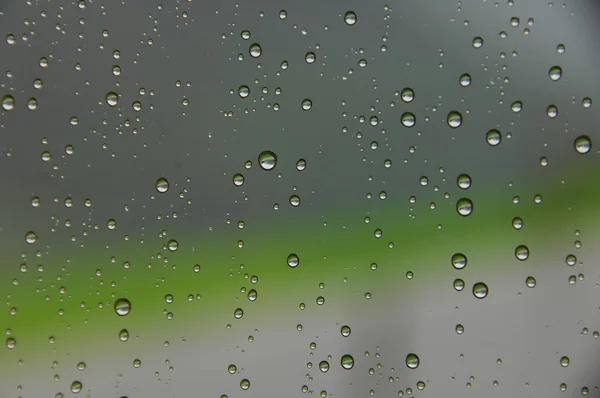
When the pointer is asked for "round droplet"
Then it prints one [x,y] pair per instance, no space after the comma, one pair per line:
[162,185]
[245,384]
[46,156]
[137,106]
[267,160]
[464,207]
[306,104]
[112,99]
[81,366]
[350,18]
[407,95]
[122,306]
[522,252]
[552,111]
[238,313]
[477,42]
[123,335]
[555,73]
[8,102]
[564,362]
[238,180]
[173,245]
[516,106]
[459,261]
[323,366]
[465,80]
[11,343]
[32,104]
[76,387]
[243,91]
[252,295]
[310,57]
[245,34]
[458,284]
[30,237]
[293,260]
[571,260]
[408,119]
[586,102]
[295,200]
[347,362]
[412,361]
[454,119]
[530,282]
[583,144]
[493,137]
[345,331]
[464,181]
[301,165]
[111,224]
[282,14]
[255,50]
[320,300]
[517,223]
[232,369]
[480,290]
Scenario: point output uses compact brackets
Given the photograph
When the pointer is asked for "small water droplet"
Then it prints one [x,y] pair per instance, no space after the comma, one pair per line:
[293,260]
[310,57]
[255,50]
[232,369]
[323,366]
[295,200]
[243,91]
[238,313]
[408,119]
[282,14]
[583,144]
[459,261]
[464,207]
[123,335]
[301,165]
[517,223]
[459,329]
[586,102]
[555,73]
[407,95]
[477,42]
[493,137]
[565,361]
[516,106]
[345,331]
[552,111]
[238,180]
[76,387]
[530,282]
[480,290]
[11,343]
[454,119]
[306,104]
[350,18]
[522,252]
[464,181]
[112,99]
[458,284]
[30,237]
[8,102]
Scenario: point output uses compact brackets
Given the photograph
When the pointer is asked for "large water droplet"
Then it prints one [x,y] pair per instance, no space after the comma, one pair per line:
[243,91]
[408,119]
[412,361]
[459,261]
[350,18]
[477,42]
[454,119]
[517,223]
[76,387]
[530,282]
[465,80]
[306,104]
[267,160]
[565,361]
[464,207]
[345,331]
[407,95]
[480,290]
[463,181]
[11,343]
[238,313]
[522,252]
[255,50]
[310,57]
[458,284]
[552,111]
[347,361]
[123,335]
[162,185]
[238,180]
[323,366]
[8,102]
[293,260]
[122,306]
[493,137]
[245,384]
[583,144]
[555,73]
[30,237]
[516,106]
[112,99]
[295,200]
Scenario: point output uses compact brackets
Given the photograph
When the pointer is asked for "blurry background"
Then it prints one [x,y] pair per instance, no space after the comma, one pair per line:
[131,136]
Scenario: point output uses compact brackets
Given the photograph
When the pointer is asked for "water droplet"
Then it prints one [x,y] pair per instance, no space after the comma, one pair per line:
[30,237]
[459,285]
[464,207]
[320,300]
[555,73]
[10,39]
[477,42]
[245,34]
[8,102]
[350,18]
[243,91]
[465,80]
[571,260]
[323,366]
[112,99]
[310,57]
[522,252]
[282,14]
[412,361]
[454,119]
[517,223]
[255,50]
[583,144]
[137,363]
[245,384]
[238,313]
[408,119]
[76,387]
[162,185]
[306,104]
[347,362]
[122,306]
[267,160]
[238,180]
[516,106]
[493,137]
[530,282]
[232,369]
[123,335]
[552,111]
[459,261]
[295,200]
[301,165]
[32,104]
[564,362]
[11,343]
[463,181]
[137,106]
[586,102]
[173,245]
[345,331]
[111,224]
[459,329]
[480,290]
[293,260]
[252,295]
[46,156]
[81,366]
[407,95]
